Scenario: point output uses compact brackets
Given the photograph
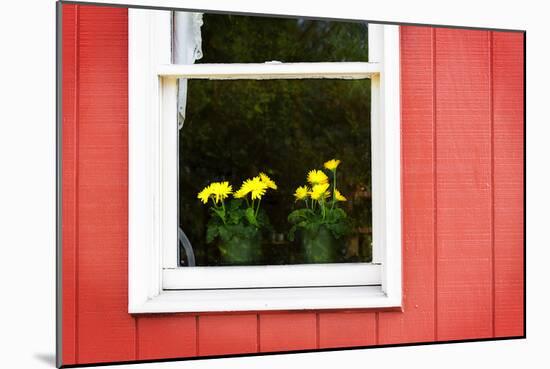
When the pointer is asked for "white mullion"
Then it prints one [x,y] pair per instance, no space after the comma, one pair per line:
[168,171]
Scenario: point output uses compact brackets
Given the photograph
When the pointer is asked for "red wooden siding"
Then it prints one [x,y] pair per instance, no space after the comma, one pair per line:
[507,66]
[288,331]
[462,173]
[463,184]
[227,334]
[346,329]
[179,332]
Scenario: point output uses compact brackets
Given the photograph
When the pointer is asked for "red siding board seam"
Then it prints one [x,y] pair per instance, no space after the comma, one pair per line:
[258,341]
[197,332]
[76,174]
[434,164]
[136,337]
[491,94]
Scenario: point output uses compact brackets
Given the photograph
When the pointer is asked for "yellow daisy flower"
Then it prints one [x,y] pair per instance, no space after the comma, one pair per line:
[332,164]
[254,186]
[258,188]
[221,190]
[338,196]
[205,194]
[317,177]
[244,190]
[301,192]
[268,181]
[320,191]
[240,193]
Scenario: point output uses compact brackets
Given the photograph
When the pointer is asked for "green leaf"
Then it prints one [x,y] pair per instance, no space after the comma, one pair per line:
[235,204]
[300,214]
[211,233]
[250,216]
[224,233]
[219,212]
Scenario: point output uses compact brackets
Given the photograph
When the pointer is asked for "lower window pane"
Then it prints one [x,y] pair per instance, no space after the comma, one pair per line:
[235,130]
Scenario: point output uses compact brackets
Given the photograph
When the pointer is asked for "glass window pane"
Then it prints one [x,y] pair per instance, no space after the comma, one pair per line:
[284,128]
[247,39]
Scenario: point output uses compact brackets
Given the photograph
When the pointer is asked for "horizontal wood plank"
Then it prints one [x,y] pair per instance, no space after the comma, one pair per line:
[227,334]
[347,329]
[288,331]
[166,336]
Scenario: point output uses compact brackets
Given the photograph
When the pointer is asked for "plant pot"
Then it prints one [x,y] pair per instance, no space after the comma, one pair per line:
[319,246]
[240,250]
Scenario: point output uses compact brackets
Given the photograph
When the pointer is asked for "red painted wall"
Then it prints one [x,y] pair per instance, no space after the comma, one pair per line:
[462,147]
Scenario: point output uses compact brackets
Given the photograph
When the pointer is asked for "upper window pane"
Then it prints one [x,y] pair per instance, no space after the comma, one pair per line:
[247,39]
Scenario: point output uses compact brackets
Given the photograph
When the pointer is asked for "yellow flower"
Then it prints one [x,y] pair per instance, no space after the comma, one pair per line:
[205,194]
[320,191]
[240,193]
[301,192]
[255,186]
[221,190]
[338,196]
[317,177]
[332,164]
[268,181]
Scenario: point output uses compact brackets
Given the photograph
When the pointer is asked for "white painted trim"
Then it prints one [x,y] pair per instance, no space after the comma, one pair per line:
[376,52]
[271,70]
[390,121]
[386,156]
[268,299]
[153,188]
[145,234]
[262,276]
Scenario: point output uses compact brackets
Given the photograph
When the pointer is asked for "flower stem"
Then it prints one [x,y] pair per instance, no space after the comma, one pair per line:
[258,208]
[223,207]
[334,188]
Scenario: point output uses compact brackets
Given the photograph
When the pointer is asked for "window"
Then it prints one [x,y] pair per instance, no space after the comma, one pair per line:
[329,81]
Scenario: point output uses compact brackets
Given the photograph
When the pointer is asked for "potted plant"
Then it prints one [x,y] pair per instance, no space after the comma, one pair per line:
[321,222]
[237,223]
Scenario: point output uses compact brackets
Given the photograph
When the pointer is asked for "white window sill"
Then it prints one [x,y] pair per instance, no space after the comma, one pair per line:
[254,299]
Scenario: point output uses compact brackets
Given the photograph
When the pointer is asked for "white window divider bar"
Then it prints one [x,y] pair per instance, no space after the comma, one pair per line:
[271,70]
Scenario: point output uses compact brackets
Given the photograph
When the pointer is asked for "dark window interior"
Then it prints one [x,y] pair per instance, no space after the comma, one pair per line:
[236,129]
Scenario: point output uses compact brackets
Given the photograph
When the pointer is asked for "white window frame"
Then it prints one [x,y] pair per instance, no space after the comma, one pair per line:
[156,283]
